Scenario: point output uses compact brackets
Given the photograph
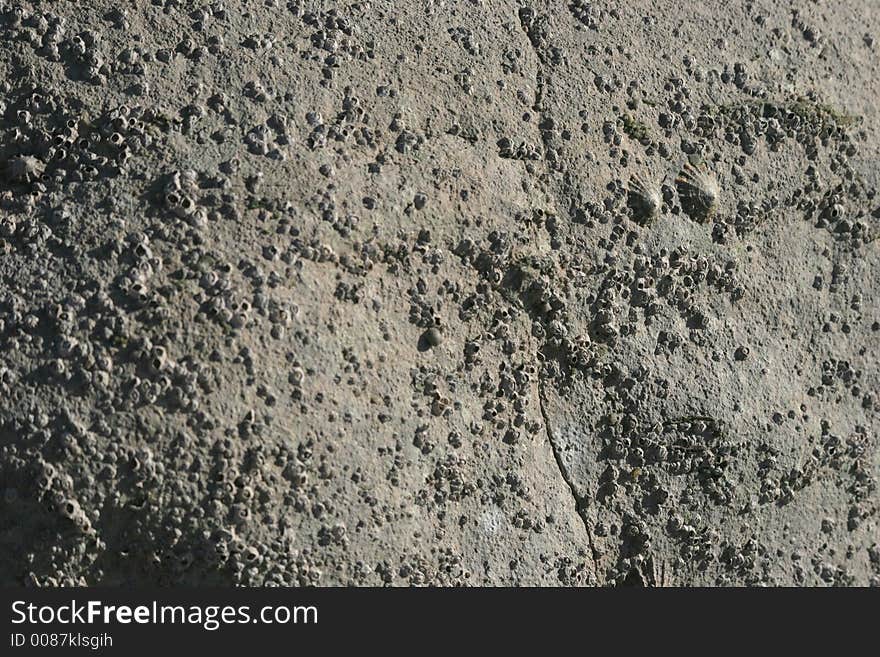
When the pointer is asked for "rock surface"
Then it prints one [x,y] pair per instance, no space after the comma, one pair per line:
[500,292]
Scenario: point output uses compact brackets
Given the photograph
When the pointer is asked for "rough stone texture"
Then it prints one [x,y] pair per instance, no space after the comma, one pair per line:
[424,292]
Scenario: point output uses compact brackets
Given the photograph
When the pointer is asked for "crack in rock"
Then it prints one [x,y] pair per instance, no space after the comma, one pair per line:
[563,471]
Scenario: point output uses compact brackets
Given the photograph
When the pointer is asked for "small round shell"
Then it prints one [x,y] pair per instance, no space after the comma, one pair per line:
[698,192]
[644,199]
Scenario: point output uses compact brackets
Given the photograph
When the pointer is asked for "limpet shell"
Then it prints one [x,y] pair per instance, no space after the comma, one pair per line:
[644,199]
[698,192]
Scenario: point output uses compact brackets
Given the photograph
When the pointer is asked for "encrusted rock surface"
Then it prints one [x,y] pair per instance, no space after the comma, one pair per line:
[500,292]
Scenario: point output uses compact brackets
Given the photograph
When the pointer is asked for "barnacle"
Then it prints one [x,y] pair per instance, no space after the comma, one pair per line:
[24,168]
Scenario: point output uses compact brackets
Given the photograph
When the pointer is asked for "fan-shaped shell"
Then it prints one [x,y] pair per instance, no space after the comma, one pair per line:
[644,198]
[698,192]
